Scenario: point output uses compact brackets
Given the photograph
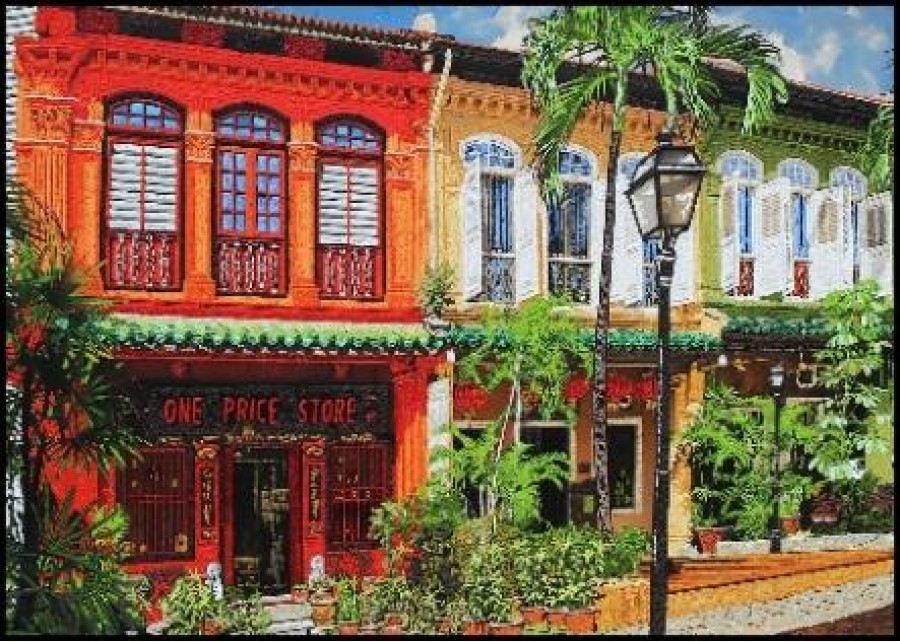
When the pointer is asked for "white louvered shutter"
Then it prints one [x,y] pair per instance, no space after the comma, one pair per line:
[771,266]
[825,256]
[363,207]
[627,251]
[470,241]
[143,178]
[334,183]
[19,20]
[683,277]
[875,240]
[728,240]
[526,236]
[598,220]
[846,249]
[438,416]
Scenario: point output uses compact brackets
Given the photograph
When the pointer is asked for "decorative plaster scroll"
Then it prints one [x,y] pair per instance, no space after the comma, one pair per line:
[302,157]
[49,120]
[199,146]
[399,166]
[87,136]
[47,71]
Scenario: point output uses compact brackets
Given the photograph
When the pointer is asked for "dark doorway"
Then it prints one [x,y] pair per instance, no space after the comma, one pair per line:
[261,520]
[554,500]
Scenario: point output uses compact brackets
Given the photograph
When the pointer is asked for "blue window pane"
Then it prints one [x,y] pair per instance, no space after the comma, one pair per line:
[261,204]
[227,202]
[153,110]
[240,162]
[227,181]
[119,119]
[745,219]
[261,183]
[262,224]
[274,164]
[274,224]
[240,203]
[274,204]
[136,121]
[228,161]
[259,122]
[275,135]
[243,120]
[226,128]
[240,182]
[136,108]
[228,222]
[274,185]
[240,222]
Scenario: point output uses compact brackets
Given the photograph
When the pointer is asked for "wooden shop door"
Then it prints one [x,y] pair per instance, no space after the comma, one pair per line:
[261,520]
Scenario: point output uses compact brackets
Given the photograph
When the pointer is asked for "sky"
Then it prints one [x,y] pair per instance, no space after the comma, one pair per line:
[843,47]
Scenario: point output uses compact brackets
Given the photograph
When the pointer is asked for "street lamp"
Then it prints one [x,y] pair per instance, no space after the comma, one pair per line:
[776,383]
[662,196]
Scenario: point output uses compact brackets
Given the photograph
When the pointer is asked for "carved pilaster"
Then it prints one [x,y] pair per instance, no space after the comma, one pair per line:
[198,150]
[207,472]
[87,136]
[302,157]
[302,214]
[47,120]
[400,166]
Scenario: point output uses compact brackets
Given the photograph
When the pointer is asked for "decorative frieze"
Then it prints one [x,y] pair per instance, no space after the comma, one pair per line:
[95,20]
[394,60]
[49,120]
[302,157]
[87,136]
[198,146]
[400,167]
[202,33]
[303,47]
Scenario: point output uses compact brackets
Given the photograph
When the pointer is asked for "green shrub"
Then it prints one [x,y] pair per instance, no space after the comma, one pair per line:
[624,553]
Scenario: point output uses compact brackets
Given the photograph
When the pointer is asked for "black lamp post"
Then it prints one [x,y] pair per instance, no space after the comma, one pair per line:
[662,195]
[776,382]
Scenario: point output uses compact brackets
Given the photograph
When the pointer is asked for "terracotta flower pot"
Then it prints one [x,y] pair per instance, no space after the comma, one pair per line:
[392,629]
[393,619]
[556,617]
[534,614]
[323,610]
[708,538]
[475,627]
[580,620]
[506,628]
[348,628]
[444,625]
[790,525]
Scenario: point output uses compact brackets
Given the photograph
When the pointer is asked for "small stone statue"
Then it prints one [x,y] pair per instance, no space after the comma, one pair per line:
[316,568]
[214,580]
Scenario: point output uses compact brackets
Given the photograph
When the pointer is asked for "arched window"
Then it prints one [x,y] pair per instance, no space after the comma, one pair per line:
[351,247]
[650,246]
[569,229]
[741,173]
[858,187]
[142,244]
[250,255]
[803,179]
[499,205]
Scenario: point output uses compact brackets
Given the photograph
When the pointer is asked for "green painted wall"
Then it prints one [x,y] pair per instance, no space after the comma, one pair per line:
[823,146]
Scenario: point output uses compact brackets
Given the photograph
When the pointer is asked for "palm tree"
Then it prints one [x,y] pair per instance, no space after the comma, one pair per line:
[61,405]
[678,48]
[876,156]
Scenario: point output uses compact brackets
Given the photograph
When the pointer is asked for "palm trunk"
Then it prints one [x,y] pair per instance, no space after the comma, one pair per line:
[27,580]
[601,342]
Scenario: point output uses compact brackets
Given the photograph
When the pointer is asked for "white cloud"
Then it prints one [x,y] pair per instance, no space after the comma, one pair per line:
[798,65]
[872,37]
[853,12]
[729,17]
[512,22]
[425,22]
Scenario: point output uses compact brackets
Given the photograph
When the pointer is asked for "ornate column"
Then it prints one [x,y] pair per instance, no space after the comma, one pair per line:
[410,428]
[199,144]
[302,217]
[206,490]
[86,203]
[687,396]
[404,231]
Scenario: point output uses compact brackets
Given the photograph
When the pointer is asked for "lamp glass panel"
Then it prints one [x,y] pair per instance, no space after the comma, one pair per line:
[677,193]
[643,200]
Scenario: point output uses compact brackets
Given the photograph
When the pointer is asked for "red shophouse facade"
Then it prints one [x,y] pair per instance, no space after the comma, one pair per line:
[235,166]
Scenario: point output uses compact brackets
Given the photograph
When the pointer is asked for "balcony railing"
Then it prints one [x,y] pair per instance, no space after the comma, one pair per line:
[350,271]
[246,266]
[499,278]
[142,260]
[745,277]
[572,277]
[801,279]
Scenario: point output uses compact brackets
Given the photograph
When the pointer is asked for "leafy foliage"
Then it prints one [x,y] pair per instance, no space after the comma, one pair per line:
[434,291]
[537,345]
[859,323]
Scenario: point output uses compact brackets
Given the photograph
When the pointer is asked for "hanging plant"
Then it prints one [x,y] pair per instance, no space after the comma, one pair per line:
[468,398]
[576,387]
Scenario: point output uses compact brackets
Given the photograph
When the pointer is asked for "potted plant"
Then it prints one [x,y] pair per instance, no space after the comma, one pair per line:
[434,291]
[487,592]
[322,601]
[531,562]
[707,531]
[190,608]
[347,609]
[300,593]
[390,598]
